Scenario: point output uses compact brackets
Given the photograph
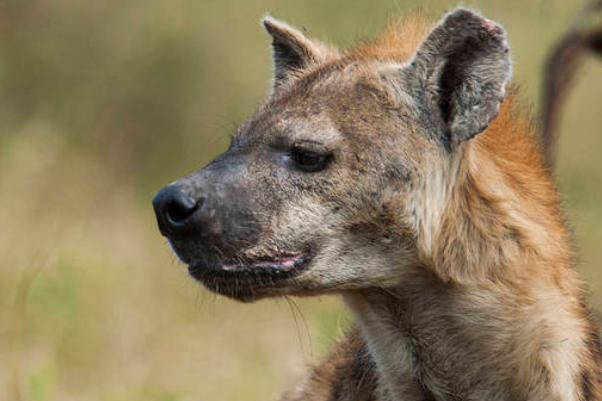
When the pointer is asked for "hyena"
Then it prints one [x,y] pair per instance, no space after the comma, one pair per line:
[406,176]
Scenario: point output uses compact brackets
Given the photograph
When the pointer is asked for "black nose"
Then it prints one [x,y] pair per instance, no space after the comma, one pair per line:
[175,209]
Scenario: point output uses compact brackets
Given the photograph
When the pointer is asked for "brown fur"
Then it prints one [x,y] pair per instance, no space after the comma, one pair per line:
[397,42]
[503,229]
[434,219]
[348,374]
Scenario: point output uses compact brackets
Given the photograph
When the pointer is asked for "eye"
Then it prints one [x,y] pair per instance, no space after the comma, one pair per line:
[309,161]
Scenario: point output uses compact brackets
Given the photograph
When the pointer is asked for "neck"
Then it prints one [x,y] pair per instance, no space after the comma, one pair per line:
[485,341]
[494,310]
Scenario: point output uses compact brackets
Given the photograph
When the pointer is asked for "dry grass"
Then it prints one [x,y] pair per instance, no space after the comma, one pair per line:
[105,102]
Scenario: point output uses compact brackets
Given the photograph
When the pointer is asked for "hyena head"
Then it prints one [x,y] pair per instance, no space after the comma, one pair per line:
[339,178]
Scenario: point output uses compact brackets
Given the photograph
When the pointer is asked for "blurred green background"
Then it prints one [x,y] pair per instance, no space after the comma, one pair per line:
[104,102]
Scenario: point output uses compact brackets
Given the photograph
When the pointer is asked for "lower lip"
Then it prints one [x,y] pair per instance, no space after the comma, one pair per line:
[282,264]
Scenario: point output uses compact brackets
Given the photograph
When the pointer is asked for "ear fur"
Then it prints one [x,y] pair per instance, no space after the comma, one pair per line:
[292,51]
[460,71]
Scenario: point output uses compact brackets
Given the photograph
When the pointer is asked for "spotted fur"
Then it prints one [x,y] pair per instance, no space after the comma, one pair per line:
[434,218]
[495,309]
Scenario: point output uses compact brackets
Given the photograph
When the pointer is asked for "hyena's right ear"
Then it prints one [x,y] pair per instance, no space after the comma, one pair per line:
[460,73]
[292,51]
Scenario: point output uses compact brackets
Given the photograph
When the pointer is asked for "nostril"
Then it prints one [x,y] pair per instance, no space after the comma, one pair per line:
[180,209]
[175,208]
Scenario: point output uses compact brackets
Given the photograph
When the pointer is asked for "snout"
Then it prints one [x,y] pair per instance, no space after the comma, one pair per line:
[200,218]
[214,222]
[177,211]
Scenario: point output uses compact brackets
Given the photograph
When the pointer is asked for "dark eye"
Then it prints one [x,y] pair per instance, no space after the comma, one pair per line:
[309,161]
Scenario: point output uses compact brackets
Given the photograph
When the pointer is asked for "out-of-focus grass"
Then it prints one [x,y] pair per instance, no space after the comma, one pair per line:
[102,103]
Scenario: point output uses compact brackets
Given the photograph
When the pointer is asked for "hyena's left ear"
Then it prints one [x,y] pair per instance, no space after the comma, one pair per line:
[292,51]
[460,72]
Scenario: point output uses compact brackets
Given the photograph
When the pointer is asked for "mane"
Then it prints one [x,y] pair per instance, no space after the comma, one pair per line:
[397,42]
[513,136]
[504,211]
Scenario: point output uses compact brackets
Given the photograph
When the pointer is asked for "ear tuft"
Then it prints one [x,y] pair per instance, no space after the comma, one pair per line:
[461,69]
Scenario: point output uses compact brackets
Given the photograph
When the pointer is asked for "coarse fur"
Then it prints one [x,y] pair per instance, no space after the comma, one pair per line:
[435,219]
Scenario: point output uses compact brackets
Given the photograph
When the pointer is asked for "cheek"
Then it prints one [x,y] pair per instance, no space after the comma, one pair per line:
[304,217]
[353,261]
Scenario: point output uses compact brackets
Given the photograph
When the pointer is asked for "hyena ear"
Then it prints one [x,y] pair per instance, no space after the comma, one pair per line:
[460,71]
[292,51]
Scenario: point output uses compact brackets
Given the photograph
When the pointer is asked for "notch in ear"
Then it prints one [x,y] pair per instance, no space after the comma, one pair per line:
[460,71]
[292,51]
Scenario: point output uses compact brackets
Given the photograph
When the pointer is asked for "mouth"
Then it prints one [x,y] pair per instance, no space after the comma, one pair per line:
[279,265]
[248,278]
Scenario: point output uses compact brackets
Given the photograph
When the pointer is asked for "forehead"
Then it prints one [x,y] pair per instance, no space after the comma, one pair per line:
[320,106]
[290,123]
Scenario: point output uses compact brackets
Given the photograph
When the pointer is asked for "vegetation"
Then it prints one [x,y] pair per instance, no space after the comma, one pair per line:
[101,104]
